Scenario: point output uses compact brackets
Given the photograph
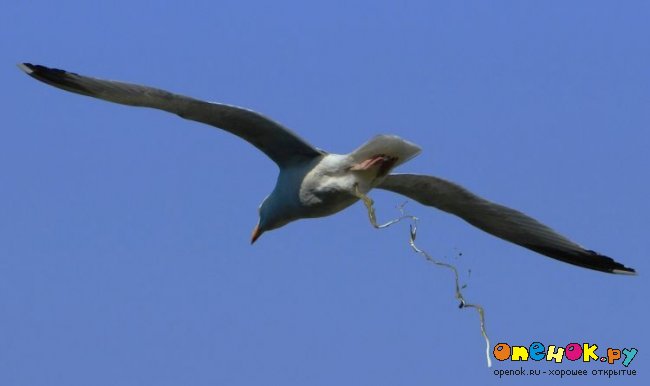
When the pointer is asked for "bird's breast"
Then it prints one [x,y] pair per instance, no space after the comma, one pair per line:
[330,186]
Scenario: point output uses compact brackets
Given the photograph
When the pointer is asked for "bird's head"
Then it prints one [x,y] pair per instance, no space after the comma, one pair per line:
[272,215]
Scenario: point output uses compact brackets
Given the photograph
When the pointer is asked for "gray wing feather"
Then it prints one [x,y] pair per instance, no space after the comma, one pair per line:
[498,220]
[276,141]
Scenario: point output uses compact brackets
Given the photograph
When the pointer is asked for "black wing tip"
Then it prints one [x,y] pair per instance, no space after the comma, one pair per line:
[585,258]
[27,68]
[55,77]
[38,69]
[42,72]
[612,265]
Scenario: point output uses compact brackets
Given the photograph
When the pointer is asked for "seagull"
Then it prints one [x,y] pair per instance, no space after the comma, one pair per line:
[314,183]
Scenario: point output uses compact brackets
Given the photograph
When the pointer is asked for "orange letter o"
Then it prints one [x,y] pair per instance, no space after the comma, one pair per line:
[501,351]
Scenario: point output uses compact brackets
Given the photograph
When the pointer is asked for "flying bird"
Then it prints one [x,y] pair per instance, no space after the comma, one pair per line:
[314,183]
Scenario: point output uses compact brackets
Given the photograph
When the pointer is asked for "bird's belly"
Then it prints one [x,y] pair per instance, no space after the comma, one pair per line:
[332,194]
[333,186]
[326,203]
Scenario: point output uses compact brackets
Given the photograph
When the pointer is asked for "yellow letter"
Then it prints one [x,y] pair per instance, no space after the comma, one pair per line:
[551,354]
[589,352]
[519,353]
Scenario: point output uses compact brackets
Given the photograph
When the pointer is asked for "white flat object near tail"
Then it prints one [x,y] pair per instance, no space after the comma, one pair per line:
[314,183]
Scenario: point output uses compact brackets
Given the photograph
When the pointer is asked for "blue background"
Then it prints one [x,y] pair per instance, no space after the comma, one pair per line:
[124,233]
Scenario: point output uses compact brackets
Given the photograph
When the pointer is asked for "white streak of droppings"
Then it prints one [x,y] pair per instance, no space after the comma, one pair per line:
[413,231]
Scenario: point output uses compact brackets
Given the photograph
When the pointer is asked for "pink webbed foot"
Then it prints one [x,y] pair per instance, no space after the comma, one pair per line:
[383,162]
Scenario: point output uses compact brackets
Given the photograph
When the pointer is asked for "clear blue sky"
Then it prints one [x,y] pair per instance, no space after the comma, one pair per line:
[124,233]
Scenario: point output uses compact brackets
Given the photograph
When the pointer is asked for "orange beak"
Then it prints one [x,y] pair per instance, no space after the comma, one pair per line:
[256,233]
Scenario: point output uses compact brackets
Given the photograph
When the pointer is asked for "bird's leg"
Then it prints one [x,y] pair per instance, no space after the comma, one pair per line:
[369,203]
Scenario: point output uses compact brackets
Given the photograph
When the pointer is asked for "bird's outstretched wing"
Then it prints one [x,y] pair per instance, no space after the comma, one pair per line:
[501,221]
[276,141]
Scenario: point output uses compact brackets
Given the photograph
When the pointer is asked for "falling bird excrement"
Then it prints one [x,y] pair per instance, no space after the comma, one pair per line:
[369,204]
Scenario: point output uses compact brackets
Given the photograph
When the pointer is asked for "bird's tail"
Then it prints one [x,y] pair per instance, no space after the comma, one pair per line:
[386,145]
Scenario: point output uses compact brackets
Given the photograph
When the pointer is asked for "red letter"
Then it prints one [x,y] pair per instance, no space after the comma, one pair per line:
[573,351]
